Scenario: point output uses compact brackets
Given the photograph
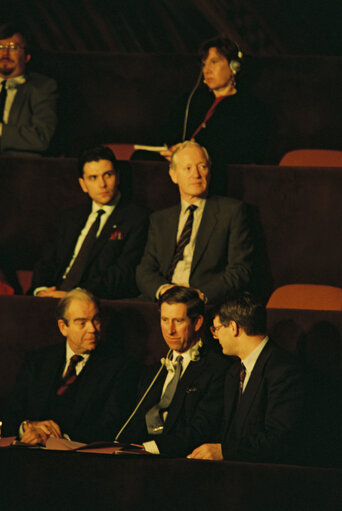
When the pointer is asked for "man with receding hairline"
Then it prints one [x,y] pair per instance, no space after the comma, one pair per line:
[204,242]
[82,388]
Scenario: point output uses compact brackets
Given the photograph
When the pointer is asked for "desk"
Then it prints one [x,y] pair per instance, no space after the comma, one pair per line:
[37,479]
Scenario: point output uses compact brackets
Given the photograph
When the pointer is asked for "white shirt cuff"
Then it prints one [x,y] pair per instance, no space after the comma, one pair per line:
[151,447]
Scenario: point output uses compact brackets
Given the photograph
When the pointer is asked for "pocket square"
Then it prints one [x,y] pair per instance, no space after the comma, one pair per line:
[116,235]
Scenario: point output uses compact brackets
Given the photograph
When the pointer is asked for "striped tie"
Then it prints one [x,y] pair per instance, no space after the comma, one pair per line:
[70,375]
[182,242]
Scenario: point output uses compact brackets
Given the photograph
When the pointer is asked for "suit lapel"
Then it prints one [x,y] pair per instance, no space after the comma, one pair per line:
[231,390]
[18,102]
[169,238]
[50,374]
[206,228]
[253,386]
[185,385]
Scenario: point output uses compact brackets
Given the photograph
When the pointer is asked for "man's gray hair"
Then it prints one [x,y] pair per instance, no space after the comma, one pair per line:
[75,294]
[184,145]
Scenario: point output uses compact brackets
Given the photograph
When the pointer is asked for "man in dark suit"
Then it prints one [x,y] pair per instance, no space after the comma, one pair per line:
[181,399]
[265,403]
[204,242]
[83,388]
[28,101]
[98,245]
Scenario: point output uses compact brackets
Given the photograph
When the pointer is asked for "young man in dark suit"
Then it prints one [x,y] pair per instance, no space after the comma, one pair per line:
[97,245]
[82,388]
[180,400]
[265,397]
[204,242]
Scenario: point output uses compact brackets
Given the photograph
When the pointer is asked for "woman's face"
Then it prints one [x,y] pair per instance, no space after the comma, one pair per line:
[217,73]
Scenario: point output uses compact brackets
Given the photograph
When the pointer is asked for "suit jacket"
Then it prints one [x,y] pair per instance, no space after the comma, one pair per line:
[267,424]
[223,257]
[195,413]
[111,269]
[32,119]
[106,388]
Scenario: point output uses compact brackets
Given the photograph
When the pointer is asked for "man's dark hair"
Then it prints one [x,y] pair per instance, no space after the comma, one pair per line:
[229,49]
[96,154]
[186,295]
[246,310]
[75,294]
[7,30]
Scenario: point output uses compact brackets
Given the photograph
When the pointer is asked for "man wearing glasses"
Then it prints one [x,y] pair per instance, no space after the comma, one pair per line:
[264,396]
[82,389]
[27,100]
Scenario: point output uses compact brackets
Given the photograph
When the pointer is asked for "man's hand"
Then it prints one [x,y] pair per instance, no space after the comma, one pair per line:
[51,292]
[207,452]
[168,153]
[37,432]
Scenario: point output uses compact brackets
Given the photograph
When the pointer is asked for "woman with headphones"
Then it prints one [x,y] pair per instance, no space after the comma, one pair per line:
[220,115]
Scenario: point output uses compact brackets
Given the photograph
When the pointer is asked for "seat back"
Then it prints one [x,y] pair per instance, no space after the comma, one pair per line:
[312,158]
[306,296]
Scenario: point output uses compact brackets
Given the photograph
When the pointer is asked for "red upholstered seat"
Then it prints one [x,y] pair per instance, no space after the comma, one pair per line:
[306,296]
[121,151]
[312,158]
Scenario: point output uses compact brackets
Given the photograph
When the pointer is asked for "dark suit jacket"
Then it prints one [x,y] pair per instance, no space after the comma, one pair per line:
[268,423]
[223,256]
[106,388]
[111,269]
[33,118]
[195,413]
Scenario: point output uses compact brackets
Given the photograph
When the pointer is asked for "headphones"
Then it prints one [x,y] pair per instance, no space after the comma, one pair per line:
[235,65]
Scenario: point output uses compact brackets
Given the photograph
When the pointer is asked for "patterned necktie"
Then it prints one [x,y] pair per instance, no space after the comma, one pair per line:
[70,375]
[3,96]
[241,379]
[153,418]
[182,242]
[79,265]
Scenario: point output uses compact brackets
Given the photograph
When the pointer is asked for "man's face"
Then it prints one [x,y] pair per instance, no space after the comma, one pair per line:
[82,327]
[13,60]
[177,328]
[100,181]
[191,173]
[225,337]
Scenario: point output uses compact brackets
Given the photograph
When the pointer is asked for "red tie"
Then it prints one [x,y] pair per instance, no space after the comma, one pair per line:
[242,379]
[70,375]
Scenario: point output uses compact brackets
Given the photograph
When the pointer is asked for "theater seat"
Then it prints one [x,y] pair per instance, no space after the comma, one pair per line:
[121,151]
[25,279]
[306,296]
[312,158]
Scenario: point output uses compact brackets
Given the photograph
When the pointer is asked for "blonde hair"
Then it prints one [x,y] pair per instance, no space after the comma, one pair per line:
[184,145]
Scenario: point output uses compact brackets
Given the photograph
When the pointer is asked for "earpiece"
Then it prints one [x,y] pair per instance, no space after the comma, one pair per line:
[235,66]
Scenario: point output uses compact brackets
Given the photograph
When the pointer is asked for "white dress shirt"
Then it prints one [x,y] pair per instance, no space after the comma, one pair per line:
[250,361]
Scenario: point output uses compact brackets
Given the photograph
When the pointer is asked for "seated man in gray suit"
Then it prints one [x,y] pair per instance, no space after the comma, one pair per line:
[27,100]
[83,388]
[265,392]
[204,242]
[181,399]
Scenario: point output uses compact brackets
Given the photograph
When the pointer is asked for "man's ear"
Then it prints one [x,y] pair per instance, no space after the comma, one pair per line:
[82,184]
[234,327]
[198,323]
[173,175]
[62,327]
[27,58]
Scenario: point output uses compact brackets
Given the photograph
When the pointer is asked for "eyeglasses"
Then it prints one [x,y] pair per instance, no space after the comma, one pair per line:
[215,329]
[11,47]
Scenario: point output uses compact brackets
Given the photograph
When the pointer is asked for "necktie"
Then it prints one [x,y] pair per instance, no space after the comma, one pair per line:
[182,242]
[241,379]
[3,96]
[153,418]
[76,271]
[70,375]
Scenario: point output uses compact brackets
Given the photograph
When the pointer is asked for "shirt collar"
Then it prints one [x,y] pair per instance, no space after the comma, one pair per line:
[12,83]
[200,203]
[107,208]
[70,353]
[250,361]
